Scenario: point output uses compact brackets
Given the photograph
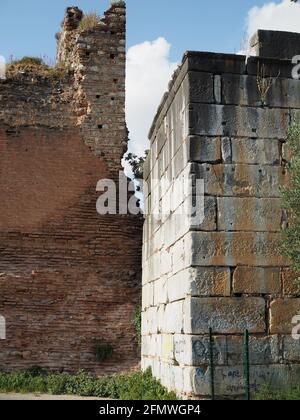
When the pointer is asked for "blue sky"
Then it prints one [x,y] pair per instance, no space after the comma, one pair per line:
[28,27]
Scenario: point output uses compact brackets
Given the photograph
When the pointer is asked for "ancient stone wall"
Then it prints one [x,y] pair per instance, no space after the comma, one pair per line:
[69,278]
[225,273]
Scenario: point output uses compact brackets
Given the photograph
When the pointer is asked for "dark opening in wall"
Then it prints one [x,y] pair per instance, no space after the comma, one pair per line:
[100,126]
[112,56]
[97,96]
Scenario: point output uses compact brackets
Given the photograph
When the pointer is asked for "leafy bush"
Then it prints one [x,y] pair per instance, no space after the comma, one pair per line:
[291,200]
[137,163]
[89,22]
[130,386]
[35,61]
[267,393]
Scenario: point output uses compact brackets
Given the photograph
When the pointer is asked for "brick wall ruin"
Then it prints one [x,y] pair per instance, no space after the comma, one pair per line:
[227,273]
[69,278]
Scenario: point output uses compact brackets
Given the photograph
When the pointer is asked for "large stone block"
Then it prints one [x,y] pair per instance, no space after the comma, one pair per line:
[203,149]
[257,280]
[272,67]
[150,321]
[199,281]
[291,349]
[230,249]
[241,180]
[235,121]
[243,90]
[249,214]
[275,44]
[199,87]
[215,62]
[224,315]
[210,281]
[255,151]
[147,296]
[262,350]
[173,318]
[230,381]
[282,312]
[160,291]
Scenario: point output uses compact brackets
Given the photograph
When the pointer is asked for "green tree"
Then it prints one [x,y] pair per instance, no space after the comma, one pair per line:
[291,200]
[137,164]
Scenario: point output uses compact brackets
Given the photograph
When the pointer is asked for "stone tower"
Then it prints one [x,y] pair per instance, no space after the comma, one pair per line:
[226,273]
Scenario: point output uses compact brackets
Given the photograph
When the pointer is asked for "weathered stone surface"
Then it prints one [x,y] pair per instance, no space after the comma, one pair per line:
[262,350]
[233,248]
[256,280]
[218,88]
[150,321]
[230,381]
[235,121]
[224,315]
[147,298]
[203,149]
[200,281]
[275,44]
[258,151]
[291,282]
[167,347]
[173,318]
[199,87]
[291,349]
[195,351]
[272,67]
[226,150]
[249,214]
[210,281]
[160,291]
[215,62]
[241,180]
[243,90]
[282,312]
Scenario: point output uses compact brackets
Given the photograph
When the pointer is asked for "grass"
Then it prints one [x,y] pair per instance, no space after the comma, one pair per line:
[36,66]
[130,386]
[266,393]
[89,22]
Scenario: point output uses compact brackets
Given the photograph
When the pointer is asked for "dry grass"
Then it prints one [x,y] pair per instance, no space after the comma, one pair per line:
[89,22]
[35,66]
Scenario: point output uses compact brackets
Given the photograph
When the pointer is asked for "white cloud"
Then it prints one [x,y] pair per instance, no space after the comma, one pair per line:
[284,16]
[149,70]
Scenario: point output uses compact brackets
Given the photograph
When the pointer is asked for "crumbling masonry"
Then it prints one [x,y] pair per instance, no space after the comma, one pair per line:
[69,278]
[218,124]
